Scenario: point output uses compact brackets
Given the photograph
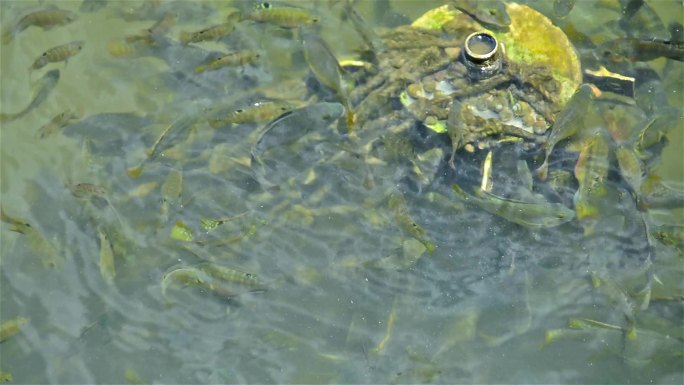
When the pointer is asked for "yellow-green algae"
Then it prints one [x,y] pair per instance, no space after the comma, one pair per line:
[531,38]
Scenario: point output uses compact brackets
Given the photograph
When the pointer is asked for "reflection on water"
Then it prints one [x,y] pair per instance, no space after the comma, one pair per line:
[194,216]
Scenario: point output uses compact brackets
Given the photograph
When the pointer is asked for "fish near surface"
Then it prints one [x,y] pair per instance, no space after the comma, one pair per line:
[284,17]
[57,54]
[326,68]
[591,172]
[215,32]
[175,133]
[292,125]
[230,60]
[46,19]
[490,13]
[534,215]
[399,208]
[257,112]
[44,88]
[567,124]
[635,49]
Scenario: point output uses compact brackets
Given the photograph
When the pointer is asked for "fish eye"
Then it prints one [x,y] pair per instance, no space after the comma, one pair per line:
[264,5]
[240,111]
[44,54]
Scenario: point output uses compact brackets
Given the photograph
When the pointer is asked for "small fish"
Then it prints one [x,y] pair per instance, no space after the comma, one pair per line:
[44,88]
[326,68]
[591,172]
[285,17]
[292,125]
[46,19]
[89,191]
[163,25]
[401,215]
[455,128]
[490,13]
[215,32]
[657,129]
[57,123]
[186,276]
[258,112]
[230,275]
[107,268]
[171,191]
[670,235]
[57,54]
[534,215]
[153,34]
[639,50]
[656,194]
[567,123]
[562,8]
[39,244]
[230,60]
[631,169]
[175,133]
[12,327]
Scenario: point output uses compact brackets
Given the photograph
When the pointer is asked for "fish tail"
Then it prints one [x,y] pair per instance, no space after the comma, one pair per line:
[452,159]
[543,170]
[135,172]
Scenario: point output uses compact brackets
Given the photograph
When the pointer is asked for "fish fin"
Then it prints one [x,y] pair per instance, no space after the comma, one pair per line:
[543,170]
[200,69]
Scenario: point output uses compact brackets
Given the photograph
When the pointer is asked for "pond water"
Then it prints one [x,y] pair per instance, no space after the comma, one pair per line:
[370,268]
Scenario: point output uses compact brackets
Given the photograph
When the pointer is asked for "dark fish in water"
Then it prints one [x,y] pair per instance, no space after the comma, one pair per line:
[89,6]
[567,123]
[633,49]
[639,19]
[490,13]
[45,86]
[326,68]
[57,54]
[292,125]
[562,8]
[46,19]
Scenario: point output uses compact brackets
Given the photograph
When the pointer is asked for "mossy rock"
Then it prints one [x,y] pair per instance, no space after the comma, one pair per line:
[531,38]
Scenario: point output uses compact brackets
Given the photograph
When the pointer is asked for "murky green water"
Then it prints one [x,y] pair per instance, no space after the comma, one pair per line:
[350,297]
